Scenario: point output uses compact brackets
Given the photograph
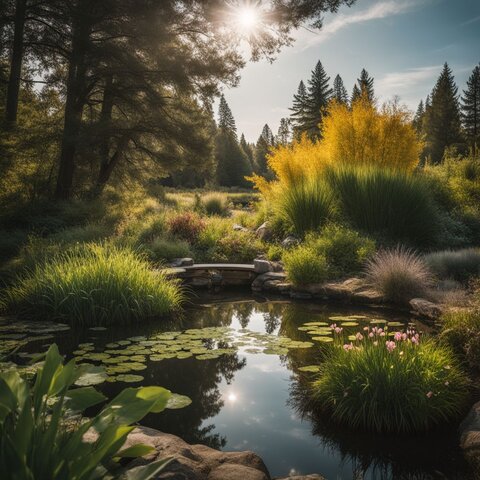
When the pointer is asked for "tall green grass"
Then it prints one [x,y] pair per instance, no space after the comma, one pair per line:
[94,284]
[306,205]
[304,265]
[460,265]
[395,386]
[386,204]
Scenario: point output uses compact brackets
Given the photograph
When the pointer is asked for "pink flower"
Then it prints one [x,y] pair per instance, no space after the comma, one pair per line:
[366,329]
[390,346]
[333,326]
[398,336]
[430,394]
[359,336]
[404,336]
[348,346]
[370,335]
[382,334]
[338,329]
[414,340]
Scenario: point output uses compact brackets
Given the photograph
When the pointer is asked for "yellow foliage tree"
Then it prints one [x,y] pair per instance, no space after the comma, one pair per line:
[359,135]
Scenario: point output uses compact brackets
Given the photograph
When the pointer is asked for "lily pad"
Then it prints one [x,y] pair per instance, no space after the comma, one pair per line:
[98,329]
[177,401]
[92,378]
[323,339]
[129,378]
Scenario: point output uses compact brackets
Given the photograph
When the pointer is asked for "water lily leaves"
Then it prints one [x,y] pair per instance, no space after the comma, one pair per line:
[207,356]
[118,359]
[129,378]
[309,368]
[323,339]
[177,401]
[316,324]
[395,324]
[182,355]
[112,345]
[124,342]
[97,329]
[275,351]
[157,358]
[377,321]
[138,358]
[95,376]
[97,357]
[349,324]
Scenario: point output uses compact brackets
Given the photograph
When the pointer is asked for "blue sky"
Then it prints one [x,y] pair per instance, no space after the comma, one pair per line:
[402,43]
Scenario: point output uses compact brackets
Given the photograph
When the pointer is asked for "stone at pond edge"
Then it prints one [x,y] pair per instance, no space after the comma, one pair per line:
[182,262]
[264,232]
[425,308]
[197,462]
[302,477]
[290,241]
[470,436]
[262,266]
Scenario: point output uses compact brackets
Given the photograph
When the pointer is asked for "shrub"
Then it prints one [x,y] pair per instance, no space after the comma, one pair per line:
[386,204]
[84,234]
[41,438]
[304,266]
[458,265]
[274,252]
[94,285]
[345,250]
[10,242]
[461,330]
[236,247]
[187,226]
[151,229]
[306,205]
[399,274]
[166,249]
[390,384]
[216,204]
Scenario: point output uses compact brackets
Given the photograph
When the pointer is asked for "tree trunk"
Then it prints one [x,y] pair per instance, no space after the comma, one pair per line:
[107,167]
[13,87]
[75,101]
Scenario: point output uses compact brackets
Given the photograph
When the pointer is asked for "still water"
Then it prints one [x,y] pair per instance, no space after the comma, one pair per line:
[253,397]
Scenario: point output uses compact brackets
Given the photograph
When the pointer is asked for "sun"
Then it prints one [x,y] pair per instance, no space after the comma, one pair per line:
[247,18]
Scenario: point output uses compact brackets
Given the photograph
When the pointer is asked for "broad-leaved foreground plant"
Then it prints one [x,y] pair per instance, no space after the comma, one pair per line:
[41,429]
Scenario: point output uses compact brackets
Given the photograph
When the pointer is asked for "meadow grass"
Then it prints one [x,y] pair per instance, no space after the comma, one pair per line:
[394,384]
[94,284]
[399,274]
[215,204]
[386,204]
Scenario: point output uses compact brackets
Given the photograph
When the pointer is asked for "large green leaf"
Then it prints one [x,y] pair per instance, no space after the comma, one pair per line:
[79,399]
[138,450]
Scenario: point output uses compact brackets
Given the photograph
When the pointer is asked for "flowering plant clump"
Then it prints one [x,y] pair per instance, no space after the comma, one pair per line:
[389,381]
[186,226]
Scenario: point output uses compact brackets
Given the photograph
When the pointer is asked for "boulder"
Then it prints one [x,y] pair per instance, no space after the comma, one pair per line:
[257,284]
[425,308]
[264,232]
[290,241]
[313,476]
[239,228]
[262,266]
[470,437]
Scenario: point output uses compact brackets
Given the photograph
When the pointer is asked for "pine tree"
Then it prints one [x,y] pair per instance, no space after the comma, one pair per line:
[365,84]
[318,96]
[262,148]
[339,91]
[225,117]
[284,133]
[418,118]
[247,148]
[442,119]
[299,109]
[267,134]
[471,108]
[232,162]
[356,93]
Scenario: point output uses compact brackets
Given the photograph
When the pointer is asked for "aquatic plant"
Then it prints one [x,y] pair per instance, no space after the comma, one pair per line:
[387,204]
[458,265]
[304,265]
[399,274]
[41,433]
[400,383]
[94,284]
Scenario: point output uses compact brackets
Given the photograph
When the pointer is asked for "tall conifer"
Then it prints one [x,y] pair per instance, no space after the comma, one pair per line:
[471,108]
[339,91]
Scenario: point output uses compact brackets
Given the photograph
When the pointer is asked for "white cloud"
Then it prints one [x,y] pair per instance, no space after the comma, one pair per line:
[394,81]
[380,9]
[472,20]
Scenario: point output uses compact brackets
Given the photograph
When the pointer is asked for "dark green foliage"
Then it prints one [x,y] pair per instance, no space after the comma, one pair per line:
[284,134]
[236,247]
[386,204]
[365,85]
[471,108]
[339,91]
[460,265]
[318,96]
[299,109]
[356,94]
[249,150]
[442,117]
[41,438]
[226,121]
[305,266]
[232,162]
[262,149]
[418,118]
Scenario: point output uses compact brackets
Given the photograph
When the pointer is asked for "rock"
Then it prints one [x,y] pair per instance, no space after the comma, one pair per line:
[264,232]
[313,476]
[193,462]
[257,284]
[262,266]
[470,437]
[182,262]
[300,295]
[367,297]
[425,308]
[290,241]
[239,228]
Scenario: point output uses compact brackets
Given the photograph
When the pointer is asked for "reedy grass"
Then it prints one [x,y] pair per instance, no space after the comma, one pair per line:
[411,387]
[216,204]
[459,265]
[385,203]
[306,204]
[94,284]
[304,265]
[399,274]
[167,249]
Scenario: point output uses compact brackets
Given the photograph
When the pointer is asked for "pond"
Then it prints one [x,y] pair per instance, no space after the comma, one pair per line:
[242,362]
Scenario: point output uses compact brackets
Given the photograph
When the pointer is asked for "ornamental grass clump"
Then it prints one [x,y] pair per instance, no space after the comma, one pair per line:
[459,265]
[216,204]
[304,265]
[390,383]
[399,274]
[94,284]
